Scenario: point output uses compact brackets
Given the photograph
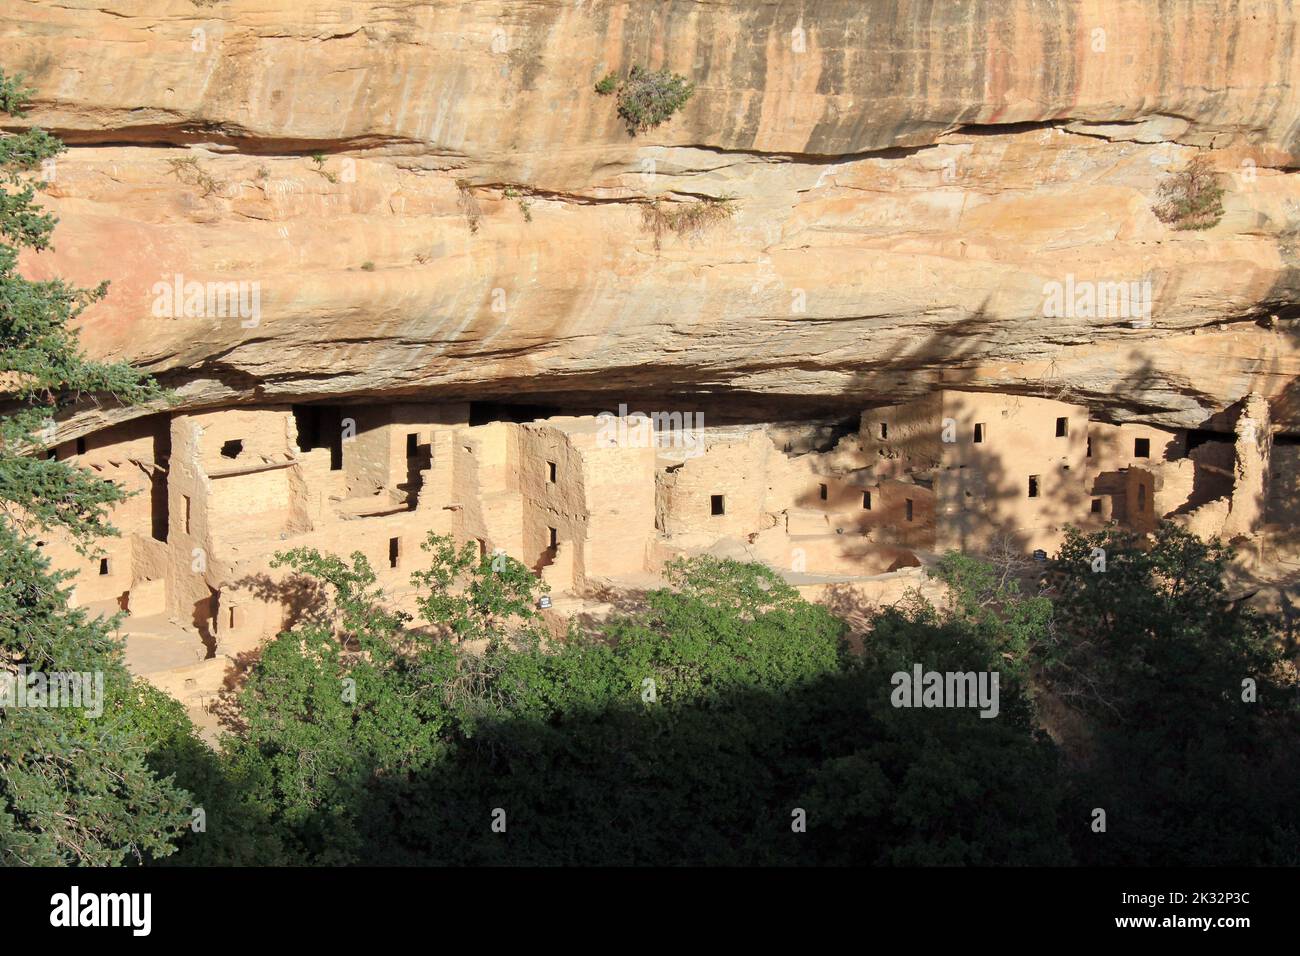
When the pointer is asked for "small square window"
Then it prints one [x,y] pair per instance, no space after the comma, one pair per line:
[979,433]
[1062,427]
[1141,447]
[550,472]
[717,505]
[822,492]
[232,448]
[866,501]
[1096,506]
[1033,486]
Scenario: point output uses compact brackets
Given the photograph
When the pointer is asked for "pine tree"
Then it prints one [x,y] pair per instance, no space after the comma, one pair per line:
[75,789]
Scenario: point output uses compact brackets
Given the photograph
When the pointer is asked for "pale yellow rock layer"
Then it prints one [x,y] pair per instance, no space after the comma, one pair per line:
[894,228]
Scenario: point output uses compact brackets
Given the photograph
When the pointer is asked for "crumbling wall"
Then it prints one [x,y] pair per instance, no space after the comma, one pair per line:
[1250,488]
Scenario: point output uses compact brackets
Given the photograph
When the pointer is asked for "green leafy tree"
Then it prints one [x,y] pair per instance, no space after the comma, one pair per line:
[1189,711]
[647,98]
[943,786]
[474,596]
[74,789]
[333,703]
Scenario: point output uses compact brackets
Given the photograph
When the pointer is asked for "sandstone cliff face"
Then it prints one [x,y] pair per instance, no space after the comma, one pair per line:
[910,179]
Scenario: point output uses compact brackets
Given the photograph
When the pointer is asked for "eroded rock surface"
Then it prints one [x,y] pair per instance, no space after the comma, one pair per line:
[909,179]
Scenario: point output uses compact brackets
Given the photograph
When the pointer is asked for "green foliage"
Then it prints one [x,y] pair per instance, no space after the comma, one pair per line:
[74,788]
[188,171]
[690,730]
[685,733]
[476,597]
[946,786]
[522,200]
[1192,197]
[647,98]
[607,84]
[1153,656]
[318,163]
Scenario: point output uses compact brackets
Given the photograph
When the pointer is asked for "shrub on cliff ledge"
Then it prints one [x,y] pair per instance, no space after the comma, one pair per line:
[1191,198]
[685,220]
[647,98]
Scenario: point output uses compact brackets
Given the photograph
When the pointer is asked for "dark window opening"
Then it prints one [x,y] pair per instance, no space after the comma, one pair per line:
[321,426]
[822,492]
[1062,427]
[979,433]
[394,551]
[1199,436]
[419,458]
[554,538]
[717,505]
[866,501]
[1096,506]
[884,430]
[234,620]
[158,506]
[550,472]
[103,566]
[233,448]
[482,547]
[52,454]
[1089,454]
[1033,486]
[81,446]
[908,508]
[1141,447]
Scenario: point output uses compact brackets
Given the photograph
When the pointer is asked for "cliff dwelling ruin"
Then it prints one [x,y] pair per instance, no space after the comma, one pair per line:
[597,504]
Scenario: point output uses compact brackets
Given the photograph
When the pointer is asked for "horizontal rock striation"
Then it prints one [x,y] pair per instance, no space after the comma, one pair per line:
[922,194]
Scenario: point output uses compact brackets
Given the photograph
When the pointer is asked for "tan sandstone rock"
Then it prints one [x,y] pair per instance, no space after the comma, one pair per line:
[911,180]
